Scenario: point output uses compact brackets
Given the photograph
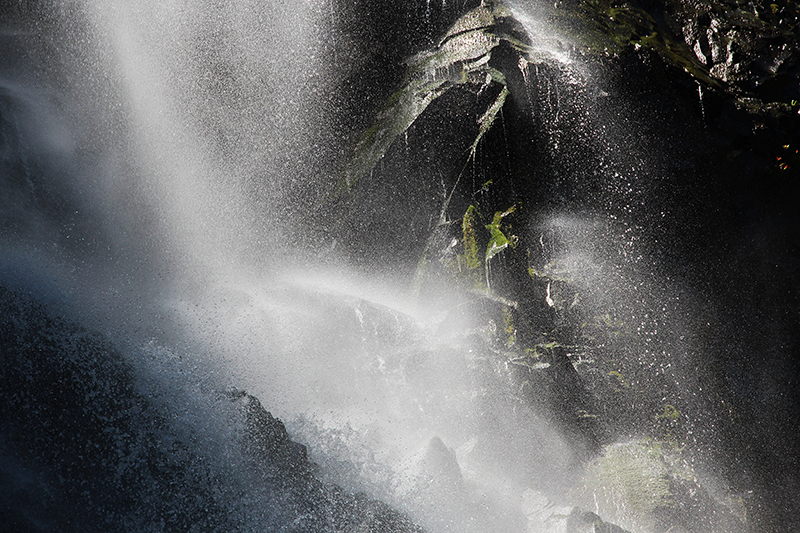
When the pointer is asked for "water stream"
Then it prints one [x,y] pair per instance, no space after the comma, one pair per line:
[160,161]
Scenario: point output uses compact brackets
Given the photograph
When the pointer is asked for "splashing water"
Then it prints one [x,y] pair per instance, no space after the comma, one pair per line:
[168,155]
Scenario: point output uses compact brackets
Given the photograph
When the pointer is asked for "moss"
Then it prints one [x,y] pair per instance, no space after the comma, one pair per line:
[670,413]
[669,427]
[537,358]
[469,224]
[603,329]
[619,378]
[552,271]
[610,26]
[648,485]
[498,241]
[633,479]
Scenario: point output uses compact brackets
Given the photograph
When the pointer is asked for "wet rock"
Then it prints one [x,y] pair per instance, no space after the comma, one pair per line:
[267,438]
[545,516]
[96,453]
[580,521]
[751,46]
[646,485]
[89,444]
[434,486]
[709,90]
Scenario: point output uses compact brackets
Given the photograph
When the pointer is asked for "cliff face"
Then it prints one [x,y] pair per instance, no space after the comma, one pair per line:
[619,202]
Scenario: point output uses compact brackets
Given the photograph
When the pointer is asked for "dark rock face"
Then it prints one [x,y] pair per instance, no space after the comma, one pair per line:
[580,521]
[83,448]
[753,46]
[679,140]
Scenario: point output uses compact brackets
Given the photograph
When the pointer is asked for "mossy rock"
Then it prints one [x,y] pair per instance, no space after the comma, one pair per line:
[647,485]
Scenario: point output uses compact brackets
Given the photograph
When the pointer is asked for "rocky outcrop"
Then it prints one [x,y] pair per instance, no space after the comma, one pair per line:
[89,444]
[669,157]
[647,486]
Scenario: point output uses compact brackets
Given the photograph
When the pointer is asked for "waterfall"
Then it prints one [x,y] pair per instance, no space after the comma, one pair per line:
[510,319]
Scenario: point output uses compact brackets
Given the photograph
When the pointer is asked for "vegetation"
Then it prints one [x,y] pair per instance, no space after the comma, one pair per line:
[566,352]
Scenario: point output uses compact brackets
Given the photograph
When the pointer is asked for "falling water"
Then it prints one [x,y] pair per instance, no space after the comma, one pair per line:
[161,164]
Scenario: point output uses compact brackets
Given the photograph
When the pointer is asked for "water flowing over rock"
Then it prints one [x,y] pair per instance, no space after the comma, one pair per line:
[86,449]
[551,289]
[499,266]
